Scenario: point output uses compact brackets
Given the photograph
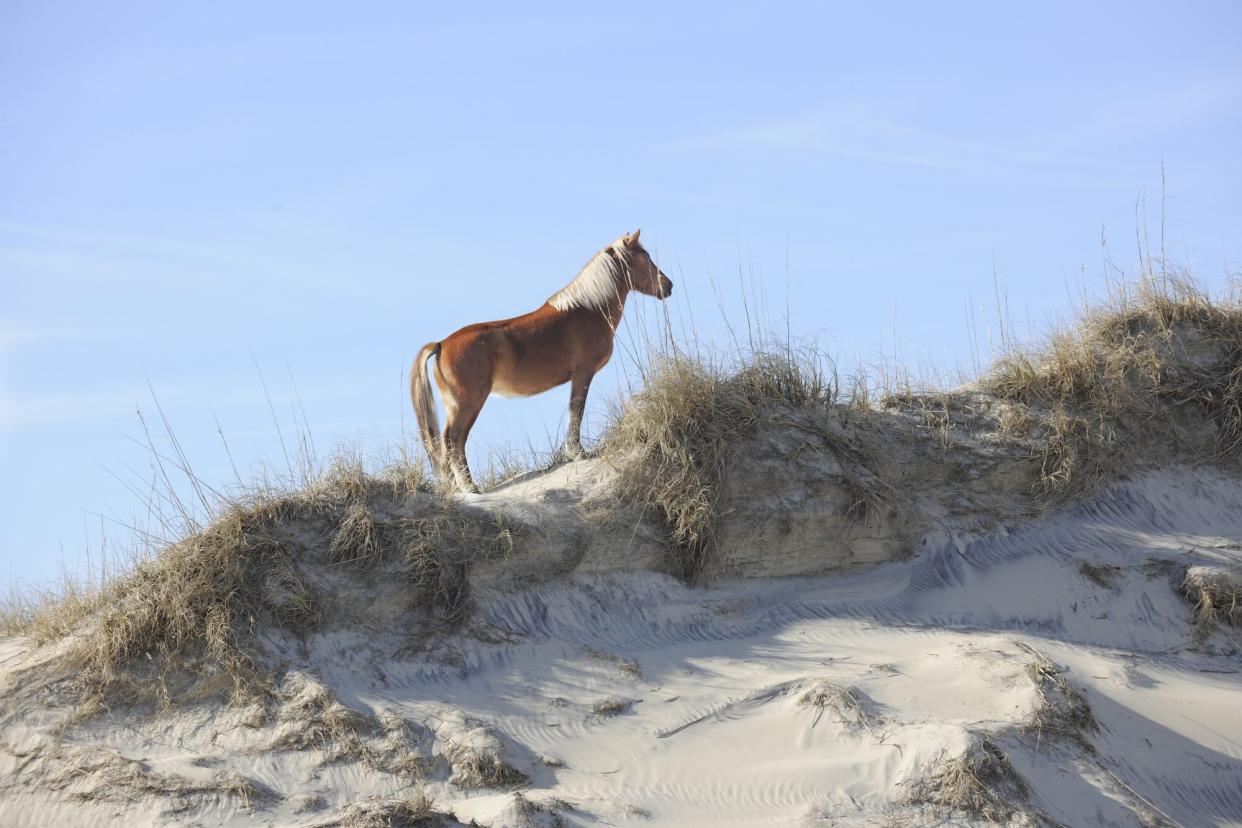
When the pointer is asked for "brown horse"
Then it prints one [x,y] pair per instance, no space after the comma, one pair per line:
[567,339]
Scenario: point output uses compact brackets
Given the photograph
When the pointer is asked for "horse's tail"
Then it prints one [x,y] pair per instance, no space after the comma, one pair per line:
[425,404]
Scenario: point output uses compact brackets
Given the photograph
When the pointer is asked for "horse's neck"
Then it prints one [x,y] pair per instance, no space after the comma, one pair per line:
[615,307]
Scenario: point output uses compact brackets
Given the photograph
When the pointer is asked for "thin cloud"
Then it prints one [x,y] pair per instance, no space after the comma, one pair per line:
[1060,155]
[884,142]
[1160,110]
[71,253]
[18,410]
[16,336]
[27,411]
[95,238]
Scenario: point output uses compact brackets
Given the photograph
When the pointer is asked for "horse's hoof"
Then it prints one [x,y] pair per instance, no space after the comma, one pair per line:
[568,455]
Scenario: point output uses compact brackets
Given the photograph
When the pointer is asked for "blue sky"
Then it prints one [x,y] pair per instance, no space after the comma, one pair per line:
[189,189]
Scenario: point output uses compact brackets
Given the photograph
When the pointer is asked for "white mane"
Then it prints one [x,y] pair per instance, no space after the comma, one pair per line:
[597,283]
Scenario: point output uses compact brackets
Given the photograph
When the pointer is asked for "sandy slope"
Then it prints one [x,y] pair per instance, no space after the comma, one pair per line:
[625,696]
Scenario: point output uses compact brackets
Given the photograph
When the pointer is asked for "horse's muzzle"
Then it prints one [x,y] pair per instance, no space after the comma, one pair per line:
[666,286]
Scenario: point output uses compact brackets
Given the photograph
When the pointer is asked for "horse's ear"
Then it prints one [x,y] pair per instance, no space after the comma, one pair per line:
[632,238]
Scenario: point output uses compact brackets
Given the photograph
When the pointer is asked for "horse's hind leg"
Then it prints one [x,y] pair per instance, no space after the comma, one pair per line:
[462,403]
[456,432]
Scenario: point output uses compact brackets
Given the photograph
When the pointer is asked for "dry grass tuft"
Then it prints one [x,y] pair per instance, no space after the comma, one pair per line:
[981,782]
[1014,421]
[1070,453]
[241,787]
[397,751]
[357,540]
[930,407]
[417,811]
[93,774]
[628,666]
[476,754]
[849,706]
[347,481]
[1216,595]
[49,614]
[612,707]
[474,768]
[1062,710]
[311,718]
[191,607]
[523,813]
[671,440]
[1099,574]
[1161,347]
[293,604]
[436,552]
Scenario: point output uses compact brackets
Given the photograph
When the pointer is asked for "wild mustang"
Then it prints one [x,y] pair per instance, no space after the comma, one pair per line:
[567,339]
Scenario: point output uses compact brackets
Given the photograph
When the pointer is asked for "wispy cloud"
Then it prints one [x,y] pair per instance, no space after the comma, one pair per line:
[69,407]
[16,335]
[859,137]
[36,409]
[1069,148]
[846,130]
[78,254]
[1144,111]
[86,237]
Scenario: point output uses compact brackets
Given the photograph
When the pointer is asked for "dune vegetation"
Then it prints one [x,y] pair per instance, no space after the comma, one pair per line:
[1157,370]
[287,622]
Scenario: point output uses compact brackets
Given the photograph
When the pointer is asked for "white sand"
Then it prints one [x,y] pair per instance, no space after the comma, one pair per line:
[711,730]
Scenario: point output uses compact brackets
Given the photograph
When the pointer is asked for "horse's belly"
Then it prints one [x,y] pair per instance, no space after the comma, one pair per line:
[522,389]
[506,391]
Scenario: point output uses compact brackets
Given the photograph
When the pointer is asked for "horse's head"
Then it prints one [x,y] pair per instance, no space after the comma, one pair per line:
[641,271]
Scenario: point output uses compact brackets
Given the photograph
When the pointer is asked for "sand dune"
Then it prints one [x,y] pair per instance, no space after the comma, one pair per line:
[1016,603]
[622,696]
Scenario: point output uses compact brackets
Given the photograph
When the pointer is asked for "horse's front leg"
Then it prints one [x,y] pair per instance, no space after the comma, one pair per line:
[580,383]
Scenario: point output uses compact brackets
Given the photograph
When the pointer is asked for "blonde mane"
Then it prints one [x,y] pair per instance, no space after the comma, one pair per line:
[597,283]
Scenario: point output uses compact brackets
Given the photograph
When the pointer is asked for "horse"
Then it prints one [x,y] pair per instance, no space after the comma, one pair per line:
[567,339]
